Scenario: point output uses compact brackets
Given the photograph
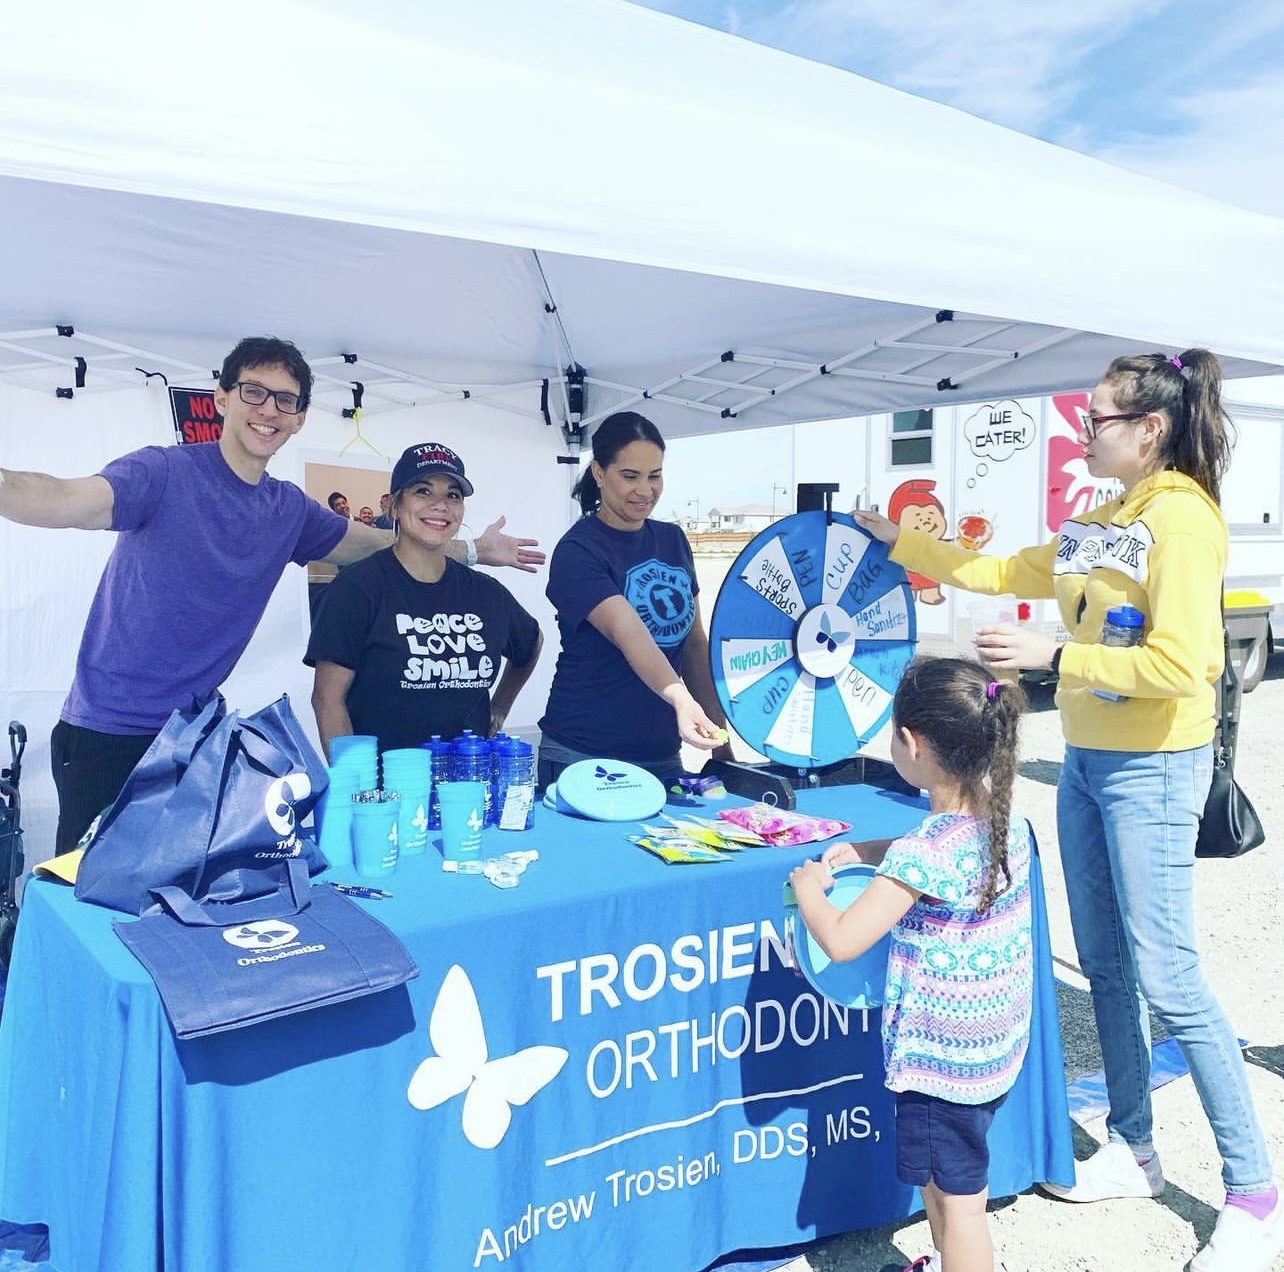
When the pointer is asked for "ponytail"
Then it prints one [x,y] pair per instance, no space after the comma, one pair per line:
[1002,719]
[1187,389]
[587,491]
[612,435]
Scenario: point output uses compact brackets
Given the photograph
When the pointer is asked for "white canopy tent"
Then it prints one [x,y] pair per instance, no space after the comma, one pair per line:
[449,204]
[424,184]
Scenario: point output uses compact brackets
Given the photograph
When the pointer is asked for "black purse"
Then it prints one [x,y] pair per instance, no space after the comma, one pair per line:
[1230,825]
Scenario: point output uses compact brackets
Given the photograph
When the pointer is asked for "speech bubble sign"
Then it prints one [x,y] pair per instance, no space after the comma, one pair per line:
[996,431]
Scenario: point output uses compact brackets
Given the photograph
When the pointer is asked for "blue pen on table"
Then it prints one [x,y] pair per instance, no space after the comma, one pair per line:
[358,890]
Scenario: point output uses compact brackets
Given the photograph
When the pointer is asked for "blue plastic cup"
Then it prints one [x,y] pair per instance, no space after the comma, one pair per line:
[412,820]
[374,837]
[333,818]
[463,814]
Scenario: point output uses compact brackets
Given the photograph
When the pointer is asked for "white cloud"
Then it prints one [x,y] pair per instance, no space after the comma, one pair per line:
[1011,61]
[1229,148]
[1203,106]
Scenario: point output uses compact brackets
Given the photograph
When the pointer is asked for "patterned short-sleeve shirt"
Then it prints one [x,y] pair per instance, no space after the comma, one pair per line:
[956,1018]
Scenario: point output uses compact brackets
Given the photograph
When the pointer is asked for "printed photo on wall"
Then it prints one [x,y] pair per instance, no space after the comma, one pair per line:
[352,489]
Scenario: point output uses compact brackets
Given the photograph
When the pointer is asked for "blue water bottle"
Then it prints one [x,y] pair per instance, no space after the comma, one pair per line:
[1123,627]
[515,786]
[470,762]
[501,747]
[440,750]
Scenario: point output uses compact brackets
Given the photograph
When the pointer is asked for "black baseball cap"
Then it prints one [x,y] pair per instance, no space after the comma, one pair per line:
[429,457]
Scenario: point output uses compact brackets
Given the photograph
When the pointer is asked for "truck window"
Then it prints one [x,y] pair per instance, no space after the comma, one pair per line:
[911,438]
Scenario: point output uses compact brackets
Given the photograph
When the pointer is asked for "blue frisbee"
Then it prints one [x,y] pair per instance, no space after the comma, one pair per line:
[861,982]
[608,790]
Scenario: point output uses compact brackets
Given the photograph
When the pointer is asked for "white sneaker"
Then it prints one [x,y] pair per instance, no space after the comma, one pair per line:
[1241,1243]
[1111,1172]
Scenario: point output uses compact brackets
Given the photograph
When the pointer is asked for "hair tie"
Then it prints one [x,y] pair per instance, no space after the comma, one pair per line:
[992,690]
[1177,362]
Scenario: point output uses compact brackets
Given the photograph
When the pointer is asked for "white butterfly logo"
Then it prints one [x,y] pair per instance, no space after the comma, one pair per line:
[461,1064]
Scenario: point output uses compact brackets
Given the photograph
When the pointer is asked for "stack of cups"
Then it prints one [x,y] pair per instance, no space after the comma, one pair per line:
[333,816]
[408,771]
[470,762]
[359,751]
[439,749]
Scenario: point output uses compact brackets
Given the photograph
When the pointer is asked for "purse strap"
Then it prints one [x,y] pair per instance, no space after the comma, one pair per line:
[1224,752]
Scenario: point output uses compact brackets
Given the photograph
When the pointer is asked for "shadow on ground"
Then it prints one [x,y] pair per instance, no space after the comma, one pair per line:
[1046,771]
[1269,1058]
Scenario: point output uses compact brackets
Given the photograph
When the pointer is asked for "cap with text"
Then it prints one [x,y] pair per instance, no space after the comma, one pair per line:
[424,460]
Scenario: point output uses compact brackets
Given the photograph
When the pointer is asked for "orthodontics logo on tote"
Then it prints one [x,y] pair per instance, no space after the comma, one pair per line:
[462,1066]
[661,594]
[266,934]
[279,802]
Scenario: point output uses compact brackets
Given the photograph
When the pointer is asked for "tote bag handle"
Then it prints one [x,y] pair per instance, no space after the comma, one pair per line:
[292,896]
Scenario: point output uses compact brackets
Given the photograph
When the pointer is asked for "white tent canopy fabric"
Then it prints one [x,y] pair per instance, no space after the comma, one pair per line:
[473,197]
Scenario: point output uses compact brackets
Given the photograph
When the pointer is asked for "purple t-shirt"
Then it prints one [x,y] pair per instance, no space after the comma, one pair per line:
[198,555]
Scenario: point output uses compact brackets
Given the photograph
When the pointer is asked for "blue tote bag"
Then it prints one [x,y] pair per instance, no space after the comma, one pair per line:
[225,965]
[220,798]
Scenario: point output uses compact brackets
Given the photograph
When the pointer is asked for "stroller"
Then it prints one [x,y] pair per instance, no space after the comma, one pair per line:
[11,859]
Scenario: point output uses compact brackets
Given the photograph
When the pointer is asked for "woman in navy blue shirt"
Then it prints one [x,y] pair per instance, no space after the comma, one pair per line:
[633,679]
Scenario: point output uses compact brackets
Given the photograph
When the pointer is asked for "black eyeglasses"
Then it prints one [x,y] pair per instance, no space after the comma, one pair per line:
[256,394]
[1091,423]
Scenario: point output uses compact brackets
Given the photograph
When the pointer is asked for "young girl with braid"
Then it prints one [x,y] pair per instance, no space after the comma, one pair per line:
[955,897]
[1138,764]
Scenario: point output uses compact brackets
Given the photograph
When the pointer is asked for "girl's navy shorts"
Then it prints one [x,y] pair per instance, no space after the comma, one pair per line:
[943,1143]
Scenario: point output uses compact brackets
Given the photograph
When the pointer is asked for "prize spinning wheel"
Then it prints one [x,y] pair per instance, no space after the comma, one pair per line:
[811,632]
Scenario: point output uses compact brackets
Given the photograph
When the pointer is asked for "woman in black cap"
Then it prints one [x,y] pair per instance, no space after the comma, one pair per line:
[409,642]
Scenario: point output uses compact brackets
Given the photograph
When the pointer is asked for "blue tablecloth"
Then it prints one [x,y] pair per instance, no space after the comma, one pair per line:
[607,1066]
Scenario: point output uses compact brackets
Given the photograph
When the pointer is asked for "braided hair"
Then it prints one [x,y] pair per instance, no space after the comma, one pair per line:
[970,721]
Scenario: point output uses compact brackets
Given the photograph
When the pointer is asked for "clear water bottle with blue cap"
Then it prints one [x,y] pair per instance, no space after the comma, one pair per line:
[1123,627]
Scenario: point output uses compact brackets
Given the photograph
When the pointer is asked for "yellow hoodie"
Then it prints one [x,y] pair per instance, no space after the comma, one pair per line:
[1161,548]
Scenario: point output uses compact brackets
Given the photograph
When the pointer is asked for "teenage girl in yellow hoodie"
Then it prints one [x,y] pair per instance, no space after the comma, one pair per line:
[1137,769]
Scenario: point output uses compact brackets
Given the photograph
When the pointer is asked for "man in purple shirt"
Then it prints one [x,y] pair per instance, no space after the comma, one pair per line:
[204,534]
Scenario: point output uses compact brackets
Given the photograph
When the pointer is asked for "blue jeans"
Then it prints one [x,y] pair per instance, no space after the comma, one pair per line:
[1127,821]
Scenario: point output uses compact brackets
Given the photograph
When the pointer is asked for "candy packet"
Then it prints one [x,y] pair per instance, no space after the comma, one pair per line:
[678,851]
[782,828]
[708,831]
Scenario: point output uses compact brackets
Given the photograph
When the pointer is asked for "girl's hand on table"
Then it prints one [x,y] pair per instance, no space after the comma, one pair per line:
[840,855]
[811,874]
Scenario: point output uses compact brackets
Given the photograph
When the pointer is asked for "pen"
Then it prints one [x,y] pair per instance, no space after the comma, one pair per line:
[357,890]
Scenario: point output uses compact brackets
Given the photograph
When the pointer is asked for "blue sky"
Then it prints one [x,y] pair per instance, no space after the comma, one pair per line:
[1185,91]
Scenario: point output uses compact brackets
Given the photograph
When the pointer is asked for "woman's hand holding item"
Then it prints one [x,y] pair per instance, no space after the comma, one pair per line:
[694,726]
[876,524]
[1006,647]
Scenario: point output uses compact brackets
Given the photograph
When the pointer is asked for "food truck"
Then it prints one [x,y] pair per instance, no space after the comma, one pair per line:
[1004,474]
